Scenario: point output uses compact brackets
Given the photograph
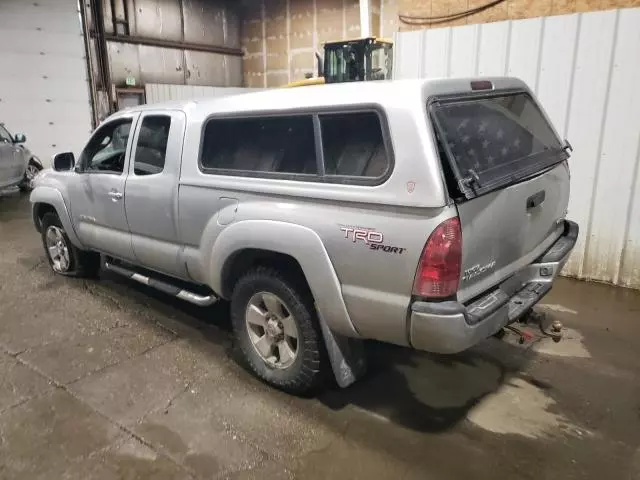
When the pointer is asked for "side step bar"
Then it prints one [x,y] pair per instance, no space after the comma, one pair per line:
[202,301]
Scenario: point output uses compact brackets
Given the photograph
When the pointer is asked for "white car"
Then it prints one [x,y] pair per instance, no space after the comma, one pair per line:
[18,166]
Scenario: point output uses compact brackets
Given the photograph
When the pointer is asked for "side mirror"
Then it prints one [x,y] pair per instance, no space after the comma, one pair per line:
[63,162]
[19,138]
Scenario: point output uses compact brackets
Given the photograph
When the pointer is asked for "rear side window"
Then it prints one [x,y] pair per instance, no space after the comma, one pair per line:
[493,141]
[353,145]
[151,149]
[261,144]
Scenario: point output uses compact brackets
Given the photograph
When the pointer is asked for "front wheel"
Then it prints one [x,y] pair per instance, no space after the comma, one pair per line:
[29,176]
[276,329]
[64,258]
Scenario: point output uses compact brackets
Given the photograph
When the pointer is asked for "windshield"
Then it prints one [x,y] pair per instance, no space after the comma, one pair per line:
[357,61]
[495,140]
[344,63]
[5,136]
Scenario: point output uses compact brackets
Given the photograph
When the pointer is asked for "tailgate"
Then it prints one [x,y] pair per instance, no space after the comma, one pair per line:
[505,230]
[511,180]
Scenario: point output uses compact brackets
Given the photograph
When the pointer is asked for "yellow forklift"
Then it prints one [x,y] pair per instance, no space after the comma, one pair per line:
[362,59]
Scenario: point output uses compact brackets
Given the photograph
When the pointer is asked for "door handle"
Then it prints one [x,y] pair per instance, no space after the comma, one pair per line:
[115,195]
[536,199]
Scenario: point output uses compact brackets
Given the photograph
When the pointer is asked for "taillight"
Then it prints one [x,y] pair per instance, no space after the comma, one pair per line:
[439,268]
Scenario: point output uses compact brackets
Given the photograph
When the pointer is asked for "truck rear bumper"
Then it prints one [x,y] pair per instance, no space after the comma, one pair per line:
[451,327]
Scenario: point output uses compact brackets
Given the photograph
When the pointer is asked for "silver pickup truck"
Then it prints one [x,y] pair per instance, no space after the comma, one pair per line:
[425,213]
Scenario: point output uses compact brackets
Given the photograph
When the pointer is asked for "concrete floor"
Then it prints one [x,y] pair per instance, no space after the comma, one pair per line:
[106,380]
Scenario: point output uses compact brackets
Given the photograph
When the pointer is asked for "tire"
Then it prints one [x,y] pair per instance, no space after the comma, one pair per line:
[27,182]
[307,371]
[68,260]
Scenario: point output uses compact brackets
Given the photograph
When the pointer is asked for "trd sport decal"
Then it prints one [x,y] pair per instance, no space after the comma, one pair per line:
[386,248]
[369,237]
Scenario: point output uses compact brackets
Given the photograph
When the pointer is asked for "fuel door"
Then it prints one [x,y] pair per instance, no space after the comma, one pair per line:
[228,209]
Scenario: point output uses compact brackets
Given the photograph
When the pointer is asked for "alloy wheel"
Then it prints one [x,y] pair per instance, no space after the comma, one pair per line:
[31,173]
[57,249]
[272,330]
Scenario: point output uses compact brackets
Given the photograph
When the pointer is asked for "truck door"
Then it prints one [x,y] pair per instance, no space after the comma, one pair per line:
[152,191]
[98,201]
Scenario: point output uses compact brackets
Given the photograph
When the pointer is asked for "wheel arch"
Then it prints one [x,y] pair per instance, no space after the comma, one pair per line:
[36,161]
[46,199]
[40,209]
[246,259]
[294,247]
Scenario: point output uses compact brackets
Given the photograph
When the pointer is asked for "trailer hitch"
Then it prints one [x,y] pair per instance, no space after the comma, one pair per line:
[553,331]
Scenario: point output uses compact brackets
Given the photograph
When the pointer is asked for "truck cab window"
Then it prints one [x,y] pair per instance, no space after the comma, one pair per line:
[106,150]
[151,148]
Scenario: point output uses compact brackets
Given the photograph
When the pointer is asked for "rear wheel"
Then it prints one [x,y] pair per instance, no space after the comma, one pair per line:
[276,329]
[64,258]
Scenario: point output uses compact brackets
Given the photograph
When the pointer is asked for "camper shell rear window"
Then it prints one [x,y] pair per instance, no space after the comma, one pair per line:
[495,139]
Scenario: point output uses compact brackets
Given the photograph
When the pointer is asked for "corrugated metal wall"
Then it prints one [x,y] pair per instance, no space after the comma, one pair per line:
[188,42]
[585,69]
[43,75]
[206,22]
[162,93]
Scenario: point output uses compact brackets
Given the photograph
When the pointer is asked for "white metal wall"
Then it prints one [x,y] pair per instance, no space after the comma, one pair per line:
[156,92]
[585,69]
[43,75]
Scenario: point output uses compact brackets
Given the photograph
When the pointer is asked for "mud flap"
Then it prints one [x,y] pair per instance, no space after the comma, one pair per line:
[346,354]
